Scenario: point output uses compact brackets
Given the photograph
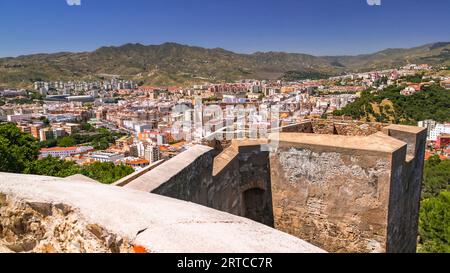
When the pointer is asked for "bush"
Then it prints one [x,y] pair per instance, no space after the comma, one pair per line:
[51,166]
[106,172]
[434,224]
[436,177]
[17,149]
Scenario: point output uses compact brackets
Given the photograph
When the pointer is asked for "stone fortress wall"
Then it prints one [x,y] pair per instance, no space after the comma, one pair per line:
[343,186]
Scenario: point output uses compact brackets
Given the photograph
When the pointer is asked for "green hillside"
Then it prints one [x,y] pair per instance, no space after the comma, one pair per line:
[389,106]
[170,64]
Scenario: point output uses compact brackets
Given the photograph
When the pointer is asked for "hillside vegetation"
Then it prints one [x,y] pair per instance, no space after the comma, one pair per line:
[175,64]
[389,106]
[434,218]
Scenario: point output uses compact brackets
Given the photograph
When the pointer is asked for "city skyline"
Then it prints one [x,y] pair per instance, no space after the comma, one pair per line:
[311,27]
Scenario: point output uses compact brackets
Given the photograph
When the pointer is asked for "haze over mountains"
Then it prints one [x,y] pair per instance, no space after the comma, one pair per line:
[176,64]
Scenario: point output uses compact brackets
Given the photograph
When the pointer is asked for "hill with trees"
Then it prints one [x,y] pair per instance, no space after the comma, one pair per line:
[175,64]
[434,218]
[389,106]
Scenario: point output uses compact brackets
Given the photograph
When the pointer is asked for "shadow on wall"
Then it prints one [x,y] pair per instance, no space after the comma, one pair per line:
[253,204]
[236,181]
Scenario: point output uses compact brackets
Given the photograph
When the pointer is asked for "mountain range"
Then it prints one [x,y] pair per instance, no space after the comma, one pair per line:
[176,64]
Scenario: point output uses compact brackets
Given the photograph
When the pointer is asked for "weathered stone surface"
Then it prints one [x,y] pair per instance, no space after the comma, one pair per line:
[336,200]
[347,193]
[332,127]
[42,227]
[406,189]
[347,187]
[237,169]
[89,217]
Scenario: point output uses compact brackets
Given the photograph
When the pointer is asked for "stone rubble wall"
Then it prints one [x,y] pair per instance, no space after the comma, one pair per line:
[334,199]
[242,183]
[406,189]
[351,194]
[330,127]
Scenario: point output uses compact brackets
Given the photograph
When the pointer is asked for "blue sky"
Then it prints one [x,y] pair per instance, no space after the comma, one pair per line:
[320,27]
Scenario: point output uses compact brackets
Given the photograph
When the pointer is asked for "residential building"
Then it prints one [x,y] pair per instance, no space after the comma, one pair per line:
[65,152]
[106,157]
[152,154]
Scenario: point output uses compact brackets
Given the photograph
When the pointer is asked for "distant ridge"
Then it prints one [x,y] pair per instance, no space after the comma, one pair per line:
[176,64]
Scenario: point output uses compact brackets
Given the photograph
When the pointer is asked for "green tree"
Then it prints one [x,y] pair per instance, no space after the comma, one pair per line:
[17,149]
[433,102]
[49,143]
[106,172]
[45,121]
[67,141]
[51,166]
[436,177]
[87,127]
[434,224]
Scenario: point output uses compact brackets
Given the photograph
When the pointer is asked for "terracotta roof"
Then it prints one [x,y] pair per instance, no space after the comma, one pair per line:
[137,161]
[58,149]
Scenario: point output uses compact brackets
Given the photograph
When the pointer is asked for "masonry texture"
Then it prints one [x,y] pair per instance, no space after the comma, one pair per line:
[239,182]
[343,186]
[340,186]
[351,187]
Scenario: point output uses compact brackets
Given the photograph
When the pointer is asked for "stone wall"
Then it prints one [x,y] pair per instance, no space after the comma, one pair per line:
[242,182]
[406,189]
[336,197]
[47,214]
[237,181]
[347,193]
[330,127]
[186,177]
[349,187]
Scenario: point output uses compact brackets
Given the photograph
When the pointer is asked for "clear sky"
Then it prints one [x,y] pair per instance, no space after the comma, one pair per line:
[320,27]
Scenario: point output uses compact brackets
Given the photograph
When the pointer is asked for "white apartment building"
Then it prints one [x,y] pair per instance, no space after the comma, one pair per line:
[106,157]
[152,154]
[65,152]
[434,129]
[440,129]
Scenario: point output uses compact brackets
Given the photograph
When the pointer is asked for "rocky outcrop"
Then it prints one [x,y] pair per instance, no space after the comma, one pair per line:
[48,228]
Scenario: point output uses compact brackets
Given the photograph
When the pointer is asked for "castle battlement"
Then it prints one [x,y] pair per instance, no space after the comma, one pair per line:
[342,186]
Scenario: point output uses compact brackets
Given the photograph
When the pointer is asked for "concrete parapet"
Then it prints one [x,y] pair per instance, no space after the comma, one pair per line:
[127,179]
[45,214]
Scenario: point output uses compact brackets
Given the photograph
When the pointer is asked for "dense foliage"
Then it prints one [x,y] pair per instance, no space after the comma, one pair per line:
[51,166]
[434,218]
[19,154]
[100,139]
[106,172]
[103,172]
[17,149]
[432,103]
[303,75]
[434,224]
[414,78]
[436,177]
[66,142]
